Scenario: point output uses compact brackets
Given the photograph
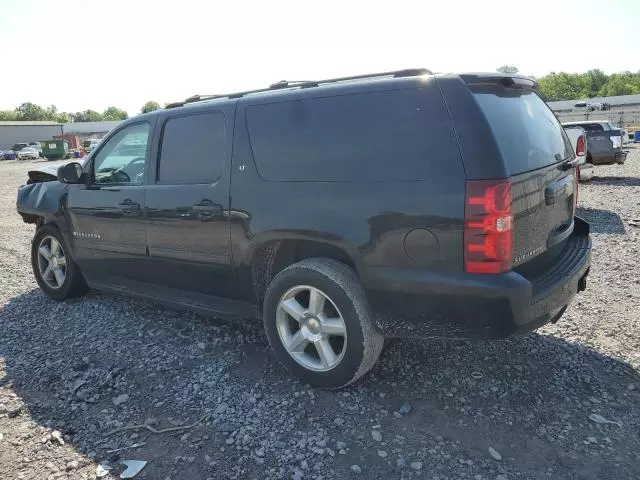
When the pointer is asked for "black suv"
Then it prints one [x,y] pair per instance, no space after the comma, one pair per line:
[341,212]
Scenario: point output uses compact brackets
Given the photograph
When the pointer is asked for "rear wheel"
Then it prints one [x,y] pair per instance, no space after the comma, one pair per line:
[318,323]
[56,273]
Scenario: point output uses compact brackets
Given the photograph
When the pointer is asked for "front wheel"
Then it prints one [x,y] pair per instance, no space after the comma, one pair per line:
[318,323]
[56,273]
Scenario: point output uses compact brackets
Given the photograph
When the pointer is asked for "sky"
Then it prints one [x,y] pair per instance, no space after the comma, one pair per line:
[92,54]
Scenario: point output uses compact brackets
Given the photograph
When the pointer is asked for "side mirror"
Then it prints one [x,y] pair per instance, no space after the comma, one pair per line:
[70,173]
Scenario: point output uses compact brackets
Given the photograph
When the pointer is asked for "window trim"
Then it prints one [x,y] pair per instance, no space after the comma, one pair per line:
[165,121]
[90,165]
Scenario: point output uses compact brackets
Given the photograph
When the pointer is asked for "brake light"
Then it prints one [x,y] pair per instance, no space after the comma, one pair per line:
[488,227]
[580,146]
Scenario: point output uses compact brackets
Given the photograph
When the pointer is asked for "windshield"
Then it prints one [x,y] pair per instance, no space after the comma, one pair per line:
[527,132]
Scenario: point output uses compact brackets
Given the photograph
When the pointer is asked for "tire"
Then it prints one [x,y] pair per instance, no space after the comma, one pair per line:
[71,283]
[346,310]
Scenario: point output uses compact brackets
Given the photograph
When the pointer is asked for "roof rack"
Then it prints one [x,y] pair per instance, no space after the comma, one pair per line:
[284,84]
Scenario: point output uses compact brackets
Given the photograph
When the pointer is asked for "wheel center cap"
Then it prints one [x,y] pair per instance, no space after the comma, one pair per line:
[54,262]
[311,329]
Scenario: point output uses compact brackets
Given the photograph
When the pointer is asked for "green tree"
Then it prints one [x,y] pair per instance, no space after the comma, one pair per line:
[150,107]
[8,115]
[51,113]
[563,86]
[594,80]
[507,69]
[113,113]
[87,116]
[63,117]
[30,112]
[626,83]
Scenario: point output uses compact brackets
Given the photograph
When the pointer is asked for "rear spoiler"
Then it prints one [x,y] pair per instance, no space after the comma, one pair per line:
[509,81]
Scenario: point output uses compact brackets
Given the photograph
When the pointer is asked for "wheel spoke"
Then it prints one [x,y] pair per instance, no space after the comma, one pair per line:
[59,274]
[61,260]
[297,343]
[316,301]
[333,326]
[293,308]
[325,352]
[47,272]
[44,251]
[55,246]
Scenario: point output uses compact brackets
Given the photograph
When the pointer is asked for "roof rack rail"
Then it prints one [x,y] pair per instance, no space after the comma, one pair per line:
[283,84]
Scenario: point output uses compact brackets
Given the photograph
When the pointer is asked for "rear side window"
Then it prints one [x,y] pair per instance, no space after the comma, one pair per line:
[527,132]
[376,136]
[192,149]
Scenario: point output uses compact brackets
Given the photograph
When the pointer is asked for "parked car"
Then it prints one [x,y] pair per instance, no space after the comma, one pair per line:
[28,153]
[399,204]
[578,139]
[90,144]
[36,146]
[8,155]
[604,141]
[19,146]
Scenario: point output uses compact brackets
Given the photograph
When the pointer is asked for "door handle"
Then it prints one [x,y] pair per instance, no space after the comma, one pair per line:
[206,206]
[206,209]
[129,206]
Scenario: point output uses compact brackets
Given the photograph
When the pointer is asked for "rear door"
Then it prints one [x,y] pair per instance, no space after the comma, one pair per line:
[536,156]
[187,201]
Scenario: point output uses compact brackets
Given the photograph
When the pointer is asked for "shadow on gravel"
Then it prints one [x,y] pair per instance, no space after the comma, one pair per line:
[616,181]
[529,398]
[602,221]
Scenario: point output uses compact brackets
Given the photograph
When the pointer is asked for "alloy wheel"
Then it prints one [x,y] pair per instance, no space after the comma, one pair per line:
[311,328]
[52,262]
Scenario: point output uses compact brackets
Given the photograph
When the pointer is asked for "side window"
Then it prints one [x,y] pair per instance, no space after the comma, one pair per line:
[122,159]
[362,137]
[193,149]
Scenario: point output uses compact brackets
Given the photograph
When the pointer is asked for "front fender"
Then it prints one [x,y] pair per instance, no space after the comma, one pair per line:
[42,201]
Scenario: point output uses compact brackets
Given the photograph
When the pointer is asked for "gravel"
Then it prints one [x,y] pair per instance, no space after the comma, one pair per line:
[529,398]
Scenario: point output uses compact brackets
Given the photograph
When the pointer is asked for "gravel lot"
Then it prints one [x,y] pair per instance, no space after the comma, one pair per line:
[71,373]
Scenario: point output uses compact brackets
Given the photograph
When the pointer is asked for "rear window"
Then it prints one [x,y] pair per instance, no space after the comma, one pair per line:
[593,127]
[527,132]
[375,136]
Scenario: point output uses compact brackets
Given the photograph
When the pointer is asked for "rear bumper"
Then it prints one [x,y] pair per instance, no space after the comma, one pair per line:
[620,157]
[415,303]
[617,156]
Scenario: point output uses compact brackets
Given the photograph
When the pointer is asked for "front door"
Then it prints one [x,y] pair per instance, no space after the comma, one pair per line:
[106,214]
[187,202]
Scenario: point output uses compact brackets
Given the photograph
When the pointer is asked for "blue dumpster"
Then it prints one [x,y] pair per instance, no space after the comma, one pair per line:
[636,137]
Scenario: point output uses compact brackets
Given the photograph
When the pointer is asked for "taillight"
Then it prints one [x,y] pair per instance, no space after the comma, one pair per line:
[488,226]
[580,146]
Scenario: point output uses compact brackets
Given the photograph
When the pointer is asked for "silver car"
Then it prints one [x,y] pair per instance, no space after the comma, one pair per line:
[28,153]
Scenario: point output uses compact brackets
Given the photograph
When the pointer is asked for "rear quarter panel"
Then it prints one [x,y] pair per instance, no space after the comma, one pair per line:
[367,220]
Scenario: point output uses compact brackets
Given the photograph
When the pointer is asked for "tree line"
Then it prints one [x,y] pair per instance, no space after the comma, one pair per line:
[31,112]
[578,86]
[554,86]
